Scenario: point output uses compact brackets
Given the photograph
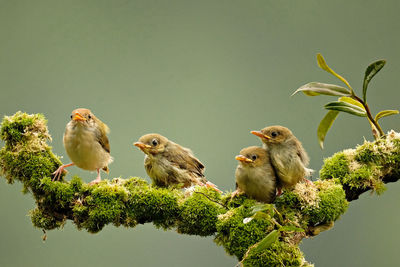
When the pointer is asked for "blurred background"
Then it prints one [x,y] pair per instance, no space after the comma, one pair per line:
[202,73]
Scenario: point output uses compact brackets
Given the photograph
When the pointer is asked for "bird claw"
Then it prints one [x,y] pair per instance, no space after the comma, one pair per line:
[57,174]
[95,181]
[308,182]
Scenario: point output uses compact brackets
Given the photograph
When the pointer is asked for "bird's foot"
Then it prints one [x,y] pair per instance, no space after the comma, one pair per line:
[95,181]
[213,186]
[57,174]
[308,182]
[236,193]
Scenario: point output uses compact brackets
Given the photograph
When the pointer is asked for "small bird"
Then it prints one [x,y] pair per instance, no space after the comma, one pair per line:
[168,163]
[254,174]
[86,143]
[287,155]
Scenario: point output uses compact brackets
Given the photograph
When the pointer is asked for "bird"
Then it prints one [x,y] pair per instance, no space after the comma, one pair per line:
[288,157]
[168,163]
[254,174]
[85,140]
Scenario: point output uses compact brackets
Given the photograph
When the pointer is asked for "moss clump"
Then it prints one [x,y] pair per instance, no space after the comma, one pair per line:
[312,205]
[22,128]
[278,254]
[335,167]
[105,204]
[366,154]
[332,203]
[46,221]
[236,235]
[199,214]
[151,204]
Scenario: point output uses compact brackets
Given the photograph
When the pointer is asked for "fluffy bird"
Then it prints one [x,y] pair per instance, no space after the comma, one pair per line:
[85,140]
[287,155]
[168,163]
[254,175]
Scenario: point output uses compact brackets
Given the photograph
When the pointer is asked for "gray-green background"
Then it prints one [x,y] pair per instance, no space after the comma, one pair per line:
[203,73]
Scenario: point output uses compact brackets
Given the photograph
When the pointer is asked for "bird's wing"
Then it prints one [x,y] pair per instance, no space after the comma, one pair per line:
[184,159]
[103,140]
[302,154]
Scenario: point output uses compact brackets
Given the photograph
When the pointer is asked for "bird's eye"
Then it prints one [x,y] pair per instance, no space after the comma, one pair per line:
[274,134]
[90,116]
[154,142]
[71,117]
[254,157]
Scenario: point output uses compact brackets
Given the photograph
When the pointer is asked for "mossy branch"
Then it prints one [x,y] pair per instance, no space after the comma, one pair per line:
[257,234]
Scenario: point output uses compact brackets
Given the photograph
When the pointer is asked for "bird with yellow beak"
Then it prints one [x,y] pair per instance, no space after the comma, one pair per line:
[85,140]
[168,163]
[255,175]
[288,156]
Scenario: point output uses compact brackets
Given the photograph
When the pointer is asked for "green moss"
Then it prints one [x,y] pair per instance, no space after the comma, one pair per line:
[22,128]
[366,154]
[279,254]
[237,236]
[105,203]
[332,203]
[335,167]
[199,214]
[28,167]
[26,157]
[359,178]
[151,204]
[43,220]
[56,195]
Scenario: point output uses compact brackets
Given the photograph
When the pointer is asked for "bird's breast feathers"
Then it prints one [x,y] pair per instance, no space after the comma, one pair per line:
[84,149]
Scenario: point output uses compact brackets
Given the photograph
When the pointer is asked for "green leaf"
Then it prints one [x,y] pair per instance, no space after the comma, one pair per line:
[267,241]
[351,101]
[325,125]
[316,88]
[262,207]
[289,228]
[346,107]
[370,72]
[322,64]
[385,113]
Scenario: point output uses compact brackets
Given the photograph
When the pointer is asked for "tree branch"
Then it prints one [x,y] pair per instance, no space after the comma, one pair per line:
[257,234]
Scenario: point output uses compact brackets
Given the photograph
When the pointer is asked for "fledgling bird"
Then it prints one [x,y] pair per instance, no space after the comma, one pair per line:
[85,140]
[254,174]
[287,155]
[168,163]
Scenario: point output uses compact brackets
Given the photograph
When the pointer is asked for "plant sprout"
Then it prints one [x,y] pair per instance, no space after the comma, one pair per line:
[348,101]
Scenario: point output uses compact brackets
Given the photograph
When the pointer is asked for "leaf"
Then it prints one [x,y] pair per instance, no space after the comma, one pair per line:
[322,64]
[385,113]
[346,107]
[267,241]
[261,207]
[370,72]
[290,228]
[316,88]
[351,101]
[325,125]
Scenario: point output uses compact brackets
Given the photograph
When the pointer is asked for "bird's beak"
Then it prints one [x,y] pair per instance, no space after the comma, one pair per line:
[141,145]
[260,134]
[243,159]
[78,117]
